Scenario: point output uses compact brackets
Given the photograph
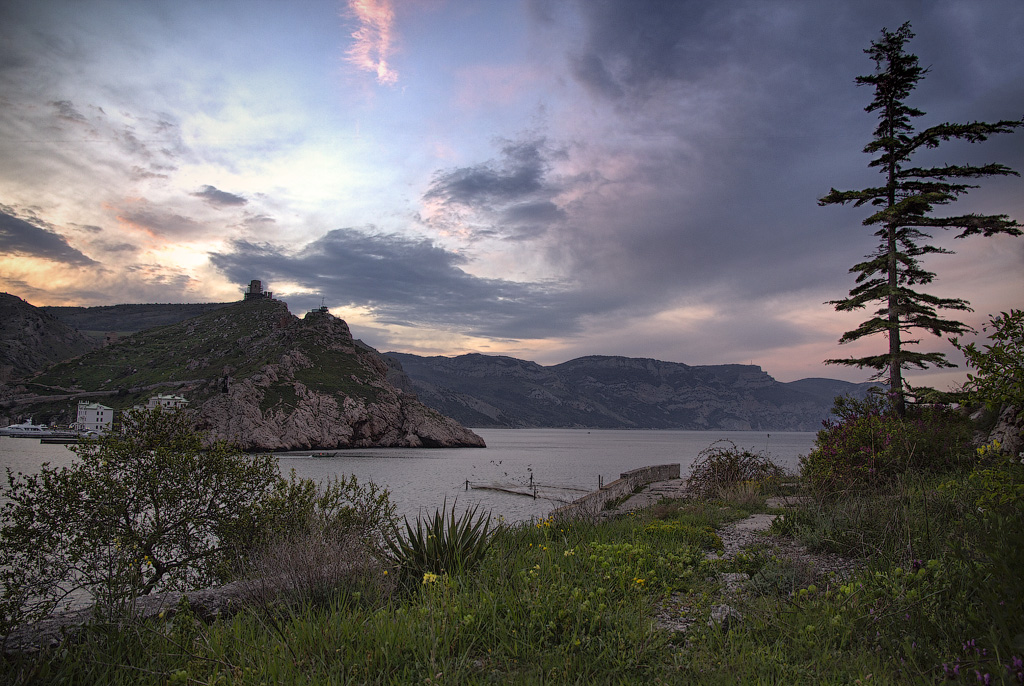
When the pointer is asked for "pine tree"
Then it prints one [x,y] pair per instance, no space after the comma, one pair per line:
[905,204]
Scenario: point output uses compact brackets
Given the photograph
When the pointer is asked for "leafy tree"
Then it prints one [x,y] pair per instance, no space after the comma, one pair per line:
[905,204]
[144,508]
[153,508]
[999,368]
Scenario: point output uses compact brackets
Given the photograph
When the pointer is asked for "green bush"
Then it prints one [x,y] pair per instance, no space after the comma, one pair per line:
[999,368]
[154,508]
[443,544]
[317,543]
[722,465]
[868,443]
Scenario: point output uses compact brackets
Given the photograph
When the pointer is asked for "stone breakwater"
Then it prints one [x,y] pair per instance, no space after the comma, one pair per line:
[623,487]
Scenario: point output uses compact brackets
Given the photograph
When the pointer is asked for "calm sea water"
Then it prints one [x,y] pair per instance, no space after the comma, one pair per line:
[563,463]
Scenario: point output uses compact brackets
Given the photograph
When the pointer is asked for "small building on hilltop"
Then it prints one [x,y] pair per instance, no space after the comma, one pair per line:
[93,418]
[255,291]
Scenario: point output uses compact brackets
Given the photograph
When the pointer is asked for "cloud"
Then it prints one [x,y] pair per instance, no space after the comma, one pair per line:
[372,41]
[513,197]
[219,198]
[154,220]
[66,110]
[407,281]
[19,237]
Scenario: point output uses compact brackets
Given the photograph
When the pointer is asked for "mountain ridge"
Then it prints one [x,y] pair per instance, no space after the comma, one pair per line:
[612,391]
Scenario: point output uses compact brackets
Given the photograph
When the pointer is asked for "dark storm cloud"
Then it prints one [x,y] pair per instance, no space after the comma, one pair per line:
[733,118]
[631,46]
[410,282]
[19,237]
[218,198]
[519,174]
[510,197]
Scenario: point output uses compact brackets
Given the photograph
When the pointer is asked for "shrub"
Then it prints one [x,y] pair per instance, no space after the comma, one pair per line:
[153,508]
[868,443]
[144,509]
[999,368]
[319,542]
[722,465]
[444,544]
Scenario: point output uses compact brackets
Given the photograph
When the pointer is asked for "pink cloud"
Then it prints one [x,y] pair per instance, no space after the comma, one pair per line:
[372,41]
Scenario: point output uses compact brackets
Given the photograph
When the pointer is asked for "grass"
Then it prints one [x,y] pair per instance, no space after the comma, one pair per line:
[939,600]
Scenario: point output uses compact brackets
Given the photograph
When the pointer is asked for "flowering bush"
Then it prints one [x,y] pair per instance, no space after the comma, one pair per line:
[868,443]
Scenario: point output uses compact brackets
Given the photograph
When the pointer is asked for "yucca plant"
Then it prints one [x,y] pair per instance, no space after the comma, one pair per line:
[443,544]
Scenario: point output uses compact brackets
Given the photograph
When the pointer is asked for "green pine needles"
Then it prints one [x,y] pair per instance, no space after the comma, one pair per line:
[905,203]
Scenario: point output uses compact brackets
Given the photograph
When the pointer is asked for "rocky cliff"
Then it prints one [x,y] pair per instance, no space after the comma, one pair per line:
[261,378]
[31,340]
[619,392]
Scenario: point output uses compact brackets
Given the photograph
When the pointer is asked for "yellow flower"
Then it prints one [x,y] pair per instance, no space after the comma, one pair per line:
[430,577]
[569,552]
[638,581]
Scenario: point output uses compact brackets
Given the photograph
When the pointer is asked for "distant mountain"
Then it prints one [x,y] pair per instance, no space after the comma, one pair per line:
[258,376]
[31,339]
[618,392]
[97,321]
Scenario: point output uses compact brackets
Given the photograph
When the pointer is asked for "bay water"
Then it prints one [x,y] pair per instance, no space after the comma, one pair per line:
[556,465]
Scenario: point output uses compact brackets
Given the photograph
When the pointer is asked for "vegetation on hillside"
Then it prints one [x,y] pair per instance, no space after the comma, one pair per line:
[203,355]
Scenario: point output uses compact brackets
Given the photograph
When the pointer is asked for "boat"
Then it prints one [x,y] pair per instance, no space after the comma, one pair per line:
[30,430]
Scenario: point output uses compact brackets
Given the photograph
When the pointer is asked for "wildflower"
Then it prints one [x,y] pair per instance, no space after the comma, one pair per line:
[638,581]
[430,577]
[570,552]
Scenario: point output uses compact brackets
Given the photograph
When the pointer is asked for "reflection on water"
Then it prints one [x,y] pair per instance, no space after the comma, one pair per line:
[563,463]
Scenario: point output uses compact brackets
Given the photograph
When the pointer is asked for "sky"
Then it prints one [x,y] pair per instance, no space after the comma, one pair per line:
[545,179]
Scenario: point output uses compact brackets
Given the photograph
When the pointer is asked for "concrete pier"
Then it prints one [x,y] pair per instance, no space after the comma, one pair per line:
[626,485]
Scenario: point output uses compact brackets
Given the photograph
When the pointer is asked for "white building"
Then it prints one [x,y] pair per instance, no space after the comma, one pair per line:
[167,402]
[94,418]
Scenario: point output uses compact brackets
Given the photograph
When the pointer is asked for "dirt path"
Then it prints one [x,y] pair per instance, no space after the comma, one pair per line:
[679,612]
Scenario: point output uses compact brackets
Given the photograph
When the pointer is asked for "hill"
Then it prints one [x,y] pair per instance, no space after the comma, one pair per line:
[619,392]
[124,319]
[32,339]
[258,376]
